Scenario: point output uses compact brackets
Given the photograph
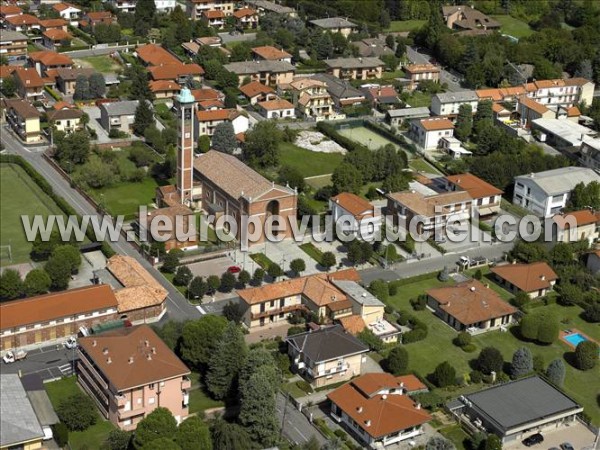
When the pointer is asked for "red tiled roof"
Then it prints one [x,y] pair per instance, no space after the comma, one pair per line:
[23,19]
[53,23]
[62,6]
[164,85]
[475,186]
[215,114]
[527,277]
[213,14]
[95,16]
[355,205]
[155,55]
[206,94]
[29,77]
[436,124]
[582,217]
[273,105]
[244,12]
[57,34]
[49,58]
[6,71]
[255,88]
[271,53]
[9,10]
[174,71]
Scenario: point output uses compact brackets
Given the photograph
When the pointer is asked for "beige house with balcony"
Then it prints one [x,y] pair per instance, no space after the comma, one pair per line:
[335,25]
[326,356]
[195,8]
[576,226]
[355,68]
[66,120]
[23,119]
[129,373]
[420,72]
[312,98]
[269,73]
[13,44]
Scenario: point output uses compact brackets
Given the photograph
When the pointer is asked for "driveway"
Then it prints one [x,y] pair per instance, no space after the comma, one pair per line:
[94,113]
[576,434]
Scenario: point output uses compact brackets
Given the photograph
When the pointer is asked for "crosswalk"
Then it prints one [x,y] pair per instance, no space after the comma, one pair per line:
[66,369]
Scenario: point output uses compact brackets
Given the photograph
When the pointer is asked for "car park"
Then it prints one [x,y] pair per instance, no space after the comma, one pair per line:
[534,439]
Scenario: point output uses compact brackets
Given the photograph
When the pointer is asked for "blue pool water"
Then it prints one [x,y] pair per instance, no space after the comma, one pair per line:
[575,339]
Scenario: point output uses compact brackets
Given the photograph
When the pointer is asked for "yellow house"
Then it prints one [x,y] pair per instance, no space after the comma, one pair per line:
[21,428]
[355,68]
[269,73]
[23,119]
[312,98]
[67,119]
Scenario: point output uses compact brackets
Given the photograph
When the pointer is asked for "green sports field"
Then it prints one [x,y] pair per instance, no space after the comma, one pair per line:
[19,195]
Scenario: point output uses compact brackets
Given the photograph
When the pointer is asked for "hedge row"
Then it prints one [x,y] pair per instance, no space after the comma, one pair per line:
[330,131]
[55,95]
[405,281]
[399,140]
[64,206]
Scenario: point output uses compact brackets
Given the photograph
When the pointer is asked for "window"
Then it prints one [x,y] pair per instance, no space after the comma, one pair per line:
[151,386]
[151,401]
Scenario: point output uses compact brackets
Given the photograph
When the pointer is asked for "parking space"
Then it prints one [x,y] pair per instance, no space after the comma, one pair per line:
[210,267]
[576,434]
[465,237]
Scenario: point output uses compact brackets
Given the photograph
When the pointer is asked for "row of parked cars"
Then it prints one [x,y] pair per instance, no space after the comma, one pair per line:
[537,438]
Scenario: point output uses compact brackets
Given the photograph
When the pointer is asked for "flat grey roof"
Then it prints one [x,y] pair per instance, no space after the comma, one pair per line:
[333,22]
[421,111]
[522,401]
[122,108]
[561,180]
[250,67]
[358,293]
[9,36]
[327,343]
[353,63]
[461,96]
[565,129]
[18,422]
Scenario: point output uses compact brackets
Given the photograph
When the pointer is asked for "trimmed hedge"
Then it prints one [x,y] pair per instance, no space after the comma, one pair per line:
[55,95]
[330,131]
[64,206]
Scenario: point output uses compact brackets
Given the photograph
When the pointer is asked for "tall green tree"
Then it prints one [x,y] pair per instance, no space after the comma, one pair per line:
[144,117]
[224,139]
[140,89]
[82,88]
[490,360]
[225,364]
[97,85]
[11,285]
[37,282]
[556,372]
[347,178]
[324,46]
[59,271]
[261,148]
[444,375]
[464,122]
[160,423]
[522,363]
[229,436]
[258,408]
[145,10]
[193,434]
[200,339]
[586,355]
[397,361]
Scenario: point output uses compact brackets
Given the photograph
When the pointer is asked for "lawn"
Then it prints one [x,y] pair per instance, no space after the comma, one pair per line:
[514,27]
[393,75]
[126,198]
[262,260]
[200,402]
[103,64]
[418,98]
[20,196]
[456,434]
[420,165]
[318,181]
[312,251]
[405,25]
[92,438]
[307,162]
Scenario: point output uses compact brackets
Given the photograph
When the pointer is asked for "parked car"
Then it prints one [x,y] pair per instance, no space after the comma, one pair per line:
[566,446]
[11,356]
[70,343]
[534,439]
[464,261]
[233,269]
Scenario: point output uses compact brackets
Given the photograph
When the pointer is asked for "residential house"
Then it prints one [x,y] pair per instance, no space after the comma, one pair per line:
[174,213]
[125,6]
[277,109]
[155,55]
[191,48]
[577,226]
[46,60]
[131,372]
[453,147]
[463,17]
[377,409]
[66,120]
[275,302]
[326,356]
[561,133]
[470,306]
[53,24]
[341,91]
[246,18]
[22,22]
[13,45]
[384,96]
[354,215]
[23,119]
[21,428]
[311,98]
[66,79]
[214,18]
[593,262]
[180,73]
[517,409]
[372,47]
[29,84]
[195,8]
[118,115]
[449,103]
[486,197]
[547,193]
[355,68]
[270,73]
[530,110]
[509,94]
[270,53]
[68,12]
[397,117]
[535,279]
[590,153]
[164,88]
[8,10]
[207,121]
[428,132]
[266,6]
[256,92]
[428,210]
[558,92]
[203,94]
[56,38]
[92,18]
[415,73]
[335,25]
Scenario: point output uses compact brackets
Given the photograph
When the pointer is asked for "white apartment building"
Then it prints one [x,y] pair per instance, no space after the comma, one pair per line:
[195,8]
[448,103]
[129,5]
[560,92]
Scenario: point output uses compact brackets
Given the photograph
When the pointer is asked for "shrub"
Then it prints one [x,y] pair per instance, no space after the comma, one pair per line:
[476,376]
[415,335]
[392,289]
[522,363]
[429,399]
[556,372]
[388,309]
[60,432]
[444,375]
[490,360]
[304,386]
[469,348]
[77,412]
[463,339]
[295,330]
[368,338]
[419,303]
[586,355]
[592,313]
[397,361]
[478,275]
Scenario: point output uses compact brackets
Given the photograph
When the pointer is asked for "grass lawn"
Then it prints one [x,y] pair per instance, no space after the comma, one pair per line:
[418,98]
[392,75]
[125,198]
[367,137]
[103,64]
[293,389]
[405,25]
[92,438]
[307,162]
[456,434]
[200,402]
[262,260]
[514,27]
[312,251]
[318,181]
[420,165]
[30,200]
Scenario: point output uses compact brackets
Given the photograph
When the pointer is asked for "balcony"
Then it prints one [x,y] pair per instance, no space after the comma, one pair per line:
[131,413]
[276,311]
[186,383]
[186,399]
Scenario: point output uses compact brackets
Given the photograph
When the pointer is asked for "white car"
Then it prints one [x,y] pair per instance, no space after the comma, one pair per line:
[70,343]
[464,261]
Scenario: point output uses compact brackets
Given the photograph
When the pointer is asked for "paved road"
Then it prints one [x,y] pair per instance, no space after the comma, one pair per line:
[98,51]
[296,426]
[48,362]
[420,57]
[177,306]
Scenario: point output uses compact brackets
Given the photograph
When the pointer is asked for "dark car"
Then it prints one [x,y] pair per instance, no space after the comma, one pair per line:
[233,269]
[566,446]
[533,439]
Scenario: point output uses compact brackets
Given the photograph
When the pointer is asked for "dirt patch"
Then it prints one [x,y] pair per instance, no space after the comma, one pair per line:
[318,142]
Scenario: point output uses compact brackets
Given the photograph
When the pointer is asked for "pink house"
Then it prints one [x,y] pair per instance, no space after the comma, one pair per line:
[129,372]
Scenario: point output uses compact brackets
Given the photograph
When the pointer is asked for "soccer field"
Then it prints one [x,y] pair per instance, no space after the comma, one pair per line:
[19,195]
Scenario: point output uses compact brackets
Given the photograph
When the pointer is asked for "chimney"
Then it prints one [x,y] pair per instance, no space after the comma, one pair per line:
[94,343]
[130,360]
[543,277]
[105,351]
[149,356]
[154,350]
[418,406]
[384,397]
[146,343]
[472,288]
[108,360]
[368,423]
[359,409]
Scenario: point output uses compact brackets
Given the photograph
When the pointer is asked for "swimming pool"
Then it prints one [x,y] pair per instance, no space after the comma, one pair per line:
[575,339]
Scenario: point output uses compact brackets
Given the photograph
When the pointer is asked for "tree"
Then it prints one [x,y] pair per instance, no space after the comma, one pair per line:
[162,443]
[380,289]
[390,41]
[72,149]
[444,375]
[82,88]
[118,440]
[258,276]
[69,253]
[439,443]
[522,363]
[592,313]
[490,360]
[291,176]
[261,148]
[200,339]
[37,282]
[229,436]
[328,260]
[226,362]
[384,19]
[585,196]
[224,139]
[183,276]
[484,111]
[214,283]
[204,143]
[463,339]
[59,271]
[258,409]
[493,442]
[556,372]
[11,285]
[257,358]
[397,361]
[464,122]
[160,423]
[144,117]
[274,271]
[227,282]
[233,311]
[197,288]
[77,412]
[396,182]
[97,85]
[243,278]
[193,434]
[586,355]
[541,327]
[548,330]
[8,86]
[347,178]
[145,11]
[170,262]
[324,46]
[60,433]
[297,266]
